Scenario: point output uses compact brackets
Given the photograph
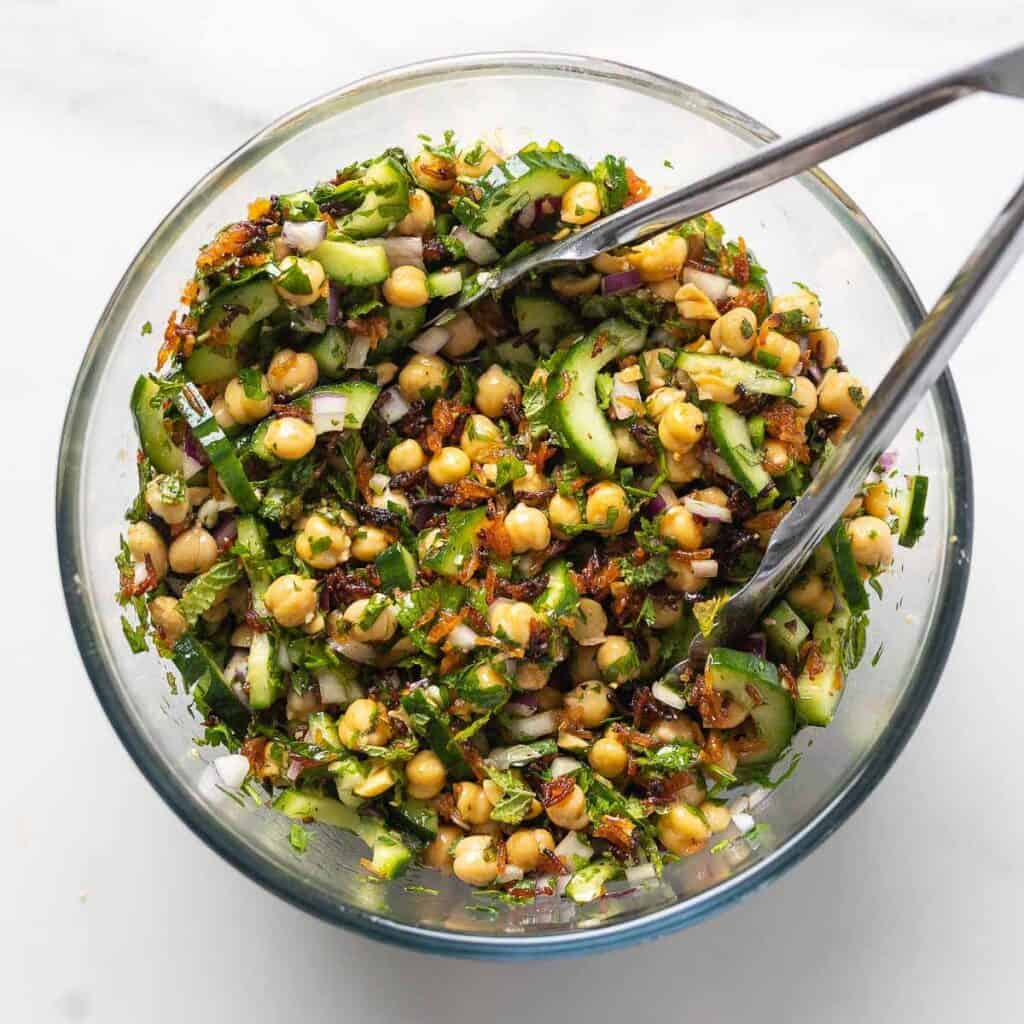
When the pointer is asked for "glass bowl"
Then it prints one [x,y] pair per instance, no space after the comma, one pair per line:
[805,229]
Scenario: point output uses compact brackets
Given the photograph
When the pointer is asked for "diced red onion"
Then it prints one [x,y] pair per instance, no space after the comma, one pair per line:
[294,769]
[626,401]
[237,667]
[668,495]
[707,510]
[233,769]
[463,637]
[743,821]
[304,236]
[624,281]
[548,205]
[714,286]
[403,251]
[655,506]
[887,460]
[527,215]
[328,412]
[640,873]
[226,532]
[478,249]
[704,568]
[720,466]
[392,406]
[194,450]
[362,654]
[663,692]
[431,341]
[813,370]
[333,303]
[521,706]
[572,849]
[379,483]
[284,659]
[563,766]
[510,873]
[357,353]
[334,689]
[542,724]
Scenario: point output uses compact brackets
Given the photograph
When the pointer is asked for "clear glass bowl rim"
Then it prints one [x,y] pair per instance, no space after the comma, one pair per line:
[218,836]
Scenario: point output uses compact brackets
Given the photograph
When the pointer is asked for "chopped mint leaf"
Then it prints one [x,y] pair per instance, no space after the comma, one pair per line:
[147,328]
[299,838]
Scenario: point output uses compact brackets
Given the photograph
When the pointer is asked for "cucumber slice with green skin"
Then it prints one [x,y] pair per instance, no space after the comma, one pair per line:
[545,317]
[210,690]
[264,673]
[588,883]
[443,283]
[560,598]
[390,855]
[572,406]
[731,372]
[417,817]
[794,481]
[239,309]
[397,568]
[351,264]
[754,684]
[451,554]
[786,633]
[728,430]
[430,722]
[509,186]
[756,428]
[218,446]
[386,201]
[156,443]
[818,696]
[330,351]
[252,535]
[209,365]
[845,569]
[911,517]
[322,731]
[359,398]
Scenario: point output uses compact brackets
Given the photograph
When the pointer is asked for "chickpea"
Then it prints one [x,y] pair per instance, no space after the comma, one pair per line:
[871,541]
[494,390]
[630,451]
[681,426]
[571,811]
[171,512]
[314,275]
[672,730]
[290,438]
[448,466]
[480,437]
[656,373]
[406,457]
[316,625]
[420,218]
[784,352]
[681,578]
[243,409]
[661,400]
[842,394]
[666,290]
[524,847]
[475,860]
[471,803]
[531,483]
[583,664]
[406,287]
[727,760]
[463,335]
[513,618]
[365,724]
[386,373]
[322,544]
[438,854]
[433,172]
[472,163]
[878,500]
[581,203]
[380,631]
[290,372]
[425,775]
[805,397]
[661,258]
[811,597]
[717,816]
[591,699]
[528,529]
[531,676]
[572,286]
[292,600]
[369,541]
[193,551]
[824,347]
[667,613]
[734,332]
[693,304]
[682,831]
[591,622]
[170,623]
[380,778]
[709,529]
[684,467]
[608,757]
[607,509]
[563,511]
[617,659]
[680,525]
[423,377]
[775,458]
[606,263]
[220,413]
[803,300]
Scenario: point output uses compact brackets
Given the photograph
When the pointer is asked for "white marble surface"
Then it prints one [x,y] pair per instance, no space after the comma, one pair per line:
[112,911]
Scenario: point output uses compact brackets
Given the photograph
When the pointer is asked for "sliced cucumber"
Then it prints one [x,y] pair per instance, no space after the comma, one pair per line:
[218,446]
[588,883]
[818,695]
[322,731]
[386,201]
[544,317]
[911,514]
[728,430]
[754,684]
[209,365]
[417,817]
[522,178]
[727,371]
[252,536]
[359,398]
[794,481]
[845,568]
[165,455]
[351,264]
[756,427]
[264,673]
[239,309]
[572,408]
[443,283]
[449,557]
[786,633]
[330,350]
[560,598]
[210,690]
[397,568]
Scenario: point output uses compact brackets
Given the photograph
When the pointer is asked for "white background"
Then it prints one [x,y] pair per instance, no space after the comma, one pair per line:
[111,910]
